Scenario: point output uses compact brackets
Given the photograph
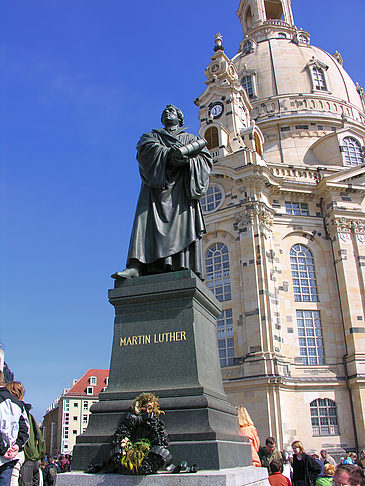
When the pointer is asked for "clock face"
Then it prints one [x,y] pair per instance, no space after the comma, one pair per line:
[214,68]
[216,110]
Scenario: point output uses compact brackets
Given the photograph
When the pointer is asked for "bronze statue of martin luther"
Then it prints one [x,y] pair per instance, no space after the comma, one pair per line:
[174,166]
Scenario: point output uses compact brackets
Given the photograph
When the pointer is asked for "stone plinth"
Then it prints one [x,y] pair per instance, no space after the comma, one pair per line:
[165,341]
[255,476]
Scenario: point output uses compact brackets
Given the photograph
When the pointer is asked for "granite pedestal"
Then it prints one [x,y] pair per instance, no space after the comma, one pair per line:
[248,476]
[165,341]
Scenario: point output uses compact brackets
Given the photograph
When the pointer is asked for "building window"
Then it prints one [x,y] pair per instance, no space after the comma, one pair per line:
[107,380]
[225,338]
[67,405]
[217,270]
[211,136]
[213,198]
[303,274]
[352,152]
[247,47]
[248,85]
[85,405]
[84,419]
[66,418]
[76,404]
[282,35]
[74,417]
[303,39]
[92,380]
[319,78]
[324,417]
[89,390]
[310,337]
[74,432]
[65,433]
[299,209]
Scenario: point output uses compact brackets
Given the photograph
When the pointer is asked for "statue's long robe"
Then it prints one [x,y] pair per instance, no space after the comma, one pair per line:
[168,224]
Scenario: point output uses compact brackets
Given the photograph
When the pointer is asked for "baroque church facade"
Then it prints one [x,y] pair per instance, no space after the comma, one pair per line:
[285,243]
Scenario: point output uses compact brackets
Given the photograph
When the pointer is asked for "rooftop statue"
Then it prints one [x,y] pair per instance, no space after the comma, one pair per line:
[174,166]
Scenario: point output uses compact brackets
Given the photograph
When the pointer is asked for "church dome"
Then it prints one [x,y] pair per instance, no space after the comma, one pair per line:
[302,98]
[284,67]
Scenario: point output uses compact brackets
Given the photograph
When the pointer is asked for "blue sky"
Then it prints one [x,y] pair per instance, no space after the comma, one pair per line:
[81,81]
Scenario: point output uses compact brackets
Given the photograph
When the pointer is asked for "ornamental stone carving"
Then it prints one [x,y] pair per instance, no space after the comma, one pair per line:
[254,214]
[342,228]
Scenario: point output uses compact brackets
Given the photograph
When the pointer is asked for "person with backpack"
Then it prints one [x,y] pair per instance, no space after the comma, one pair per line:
[34,450]
[64,463]
[50,472]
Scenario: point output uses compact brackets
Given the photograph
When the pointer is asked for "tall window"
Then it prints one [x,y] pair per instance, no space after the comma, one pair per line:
[247,83]
[217,270]
[324,417]
[211,136]
[310,337]
[351,149]
[319,79]
[247,47]
[225,338]
[303,274]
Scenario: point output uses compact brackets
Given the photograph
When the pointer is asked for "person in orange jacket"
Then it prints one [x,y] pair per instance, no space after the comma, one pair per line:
[248,429]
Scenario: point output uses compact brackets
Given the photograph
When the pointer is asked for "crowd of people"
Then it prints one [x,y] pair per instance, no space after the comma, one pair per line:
[23,461]
[298,468]
[22,448]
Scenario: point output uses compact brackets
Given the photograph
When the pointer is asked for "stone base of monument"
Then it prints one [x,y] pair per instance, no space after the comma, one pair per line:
[165,342]
[246,476]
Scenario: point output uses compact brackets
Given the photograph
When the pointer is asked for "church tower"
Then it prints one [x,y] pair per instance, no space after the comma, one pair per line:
[285,245]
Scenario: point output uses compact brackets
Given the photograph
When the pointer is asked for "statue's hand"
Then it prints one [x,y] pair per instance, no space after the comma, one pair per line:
[174,156]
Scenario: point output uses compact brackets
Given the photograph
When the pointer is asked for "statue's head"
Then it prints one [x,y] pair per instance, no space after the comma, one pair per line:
[170,111]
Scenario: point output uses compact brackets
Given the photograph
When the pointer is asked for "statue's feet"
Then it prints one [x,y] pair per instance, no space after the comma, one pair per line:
[127,273]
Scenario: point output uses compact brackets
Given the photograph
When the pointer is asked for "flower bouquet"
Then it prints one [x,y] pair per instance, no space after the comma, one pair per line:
[134,453]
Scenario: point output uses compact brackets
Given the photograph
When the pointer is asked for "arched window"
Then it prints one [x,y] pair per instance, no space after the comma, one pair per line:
[217,271]
[212,199]
[319,78]
[225,338]
[310,337]
[211,136]
[248,18]
[303,39]
[324,417]
[303,274]
[351,149]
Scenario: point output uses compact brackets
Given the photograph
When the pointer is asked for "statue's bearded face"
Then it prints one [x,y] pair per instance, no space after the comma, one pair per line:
[169,116]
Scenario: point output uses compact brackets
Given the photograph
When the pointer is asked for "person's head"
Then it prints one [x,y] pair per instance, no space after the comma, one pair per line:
[270,444]
[349,475]
[276,466]
[298,447]
[16,389]
[329,469]
[171,116]
[324,453]
[362,453]
[2,381]
[244,418]
[315,454]
[353,456]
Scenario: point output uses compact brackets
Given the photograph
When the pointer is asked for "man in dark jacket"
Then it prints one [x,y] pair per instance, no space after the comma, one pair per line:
[14,432]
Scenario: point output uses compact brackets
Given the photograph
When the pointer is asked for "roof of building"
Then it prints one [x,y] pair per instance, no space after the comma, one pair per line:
[85,382]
